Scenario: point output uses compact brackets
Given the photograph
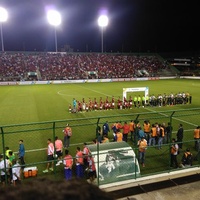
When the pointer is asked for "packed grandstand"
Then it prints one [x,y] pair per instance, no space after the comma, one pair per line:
[35,66]
[74,66]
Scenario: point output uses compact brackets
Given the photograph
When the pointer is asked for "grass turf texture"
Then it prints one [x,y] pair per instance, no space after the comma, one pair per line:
[38,103]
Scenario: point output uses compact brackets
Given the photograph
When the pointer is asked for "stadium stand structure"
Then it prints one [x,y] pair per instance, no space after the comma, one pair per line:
[64,66]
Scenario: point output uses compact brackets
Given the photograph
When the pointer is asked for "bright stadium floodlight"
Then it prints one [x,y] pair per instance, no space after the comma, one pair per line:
[3,18]
[102,22]
[54,19]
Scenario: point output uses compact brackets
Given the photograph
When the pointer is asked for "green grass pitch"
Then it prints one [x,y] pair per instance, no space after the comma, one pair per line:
[39,103]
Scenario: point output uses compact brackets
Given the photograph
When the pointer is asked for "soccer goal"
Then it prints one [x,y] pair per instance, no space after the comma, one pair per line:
[139,89]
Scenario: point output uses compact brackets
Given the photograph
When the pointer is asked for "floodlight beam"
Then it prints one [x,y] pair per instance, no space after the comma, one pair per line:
[3,18]
[102,22]
[54,19]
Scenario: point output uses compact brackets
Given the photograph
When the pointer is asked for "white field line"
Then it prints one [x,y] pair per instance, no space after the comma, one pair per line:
[172,117]
[95,91]
[44,149]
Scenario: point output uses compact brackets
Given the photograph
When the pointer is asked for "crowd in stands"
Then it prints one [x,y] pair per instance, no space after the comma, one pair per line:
[62,66]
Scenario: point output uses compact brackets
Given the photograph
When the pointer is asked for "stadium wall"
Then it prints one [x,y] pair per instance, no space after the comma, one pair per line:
[82,81]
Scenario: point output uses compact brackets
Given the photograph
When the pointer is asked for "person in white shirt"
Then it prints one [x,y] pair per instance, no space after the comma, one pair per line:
[16,173]
[4,168]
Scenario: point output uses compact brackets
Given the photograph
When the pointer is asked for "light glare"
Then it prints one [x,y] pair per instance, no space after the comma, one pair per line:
[103,20]
[3,14]
[54,17]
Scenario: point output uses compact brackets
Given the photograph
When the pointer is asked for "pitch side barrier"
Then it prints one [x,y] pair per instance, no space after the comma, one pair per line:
[92,81]
[157,161]
[81,81]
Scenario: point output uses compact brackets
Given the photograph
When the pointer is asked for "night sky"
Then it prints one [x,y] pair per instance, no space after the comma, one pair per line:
[134,25]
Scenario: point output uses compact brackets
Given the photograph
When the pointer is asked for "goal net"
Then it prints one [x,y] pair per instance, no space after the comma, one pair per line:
[139,89]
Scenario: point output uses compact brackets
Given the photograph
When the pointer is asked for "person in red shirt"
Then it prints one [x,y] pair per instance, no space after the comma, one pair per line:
[68,163]
[113,103]
[79,163]
[95,104]
[126,130]
[80,108]
[130,102]
[85,154]
[91,169]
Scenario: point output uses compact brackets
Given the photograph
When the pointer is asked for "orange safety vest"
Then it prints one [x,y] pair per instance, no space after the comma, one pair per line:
[68,161]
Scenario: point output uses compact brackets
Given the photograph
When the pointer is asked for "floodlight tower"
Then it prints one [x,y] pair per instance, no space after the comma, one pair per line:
[3,18]
[54,19]
[102,22]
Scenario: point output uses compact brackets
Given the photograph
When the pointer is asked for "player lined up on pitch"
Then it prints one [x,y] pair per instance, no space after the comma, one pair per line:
[129,103]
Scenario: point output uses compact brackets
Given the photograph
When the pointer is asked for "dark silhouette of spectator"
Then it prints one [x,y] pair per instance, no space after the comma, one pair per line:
[45,189]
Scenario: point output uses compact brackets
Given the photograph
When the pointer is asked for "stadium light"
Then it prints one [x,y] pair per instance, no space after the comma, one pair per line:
[3,18]
[54,19]
[102,22]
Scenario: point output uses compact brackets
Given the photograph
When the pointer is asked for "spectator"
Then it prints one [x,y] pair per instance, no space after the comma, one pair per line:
[46,189]
[187,158]
[16,173]
[142,146]
[91,169]
[132,128]
[141,133]
[119,136]
[105,139]
[59,150]
[152,139]
[174,153]
[67,135]
[98,131]
[161,136]
[126,130]
[179,136]
[3,171]
[21,153]
[169,130]
[85,155]
[79,163]
[147,129]
[68,163]
[196,138]
[105,129]
[50,156]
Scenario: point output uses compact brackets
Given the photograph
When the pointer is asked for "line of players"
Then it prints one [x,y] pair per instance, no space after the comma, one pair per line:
[137,102]
[171,99]
[79,106]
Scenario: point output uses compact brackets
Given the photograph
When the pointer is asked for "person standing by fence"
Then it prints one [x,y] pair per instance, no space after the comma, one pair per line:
[179,136]
[79,163]
[59,150]
[161,136]
[142,146]
[21,153]
[67,134]
[132,128]
[196,137]
[169,130]
[147,129]
[105,129]
[68,163]
[174,153]
[126,130]
[50,158]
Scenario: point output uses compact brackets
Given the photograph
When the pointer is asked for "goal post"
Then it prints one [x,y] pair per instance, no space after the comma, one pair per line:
[139,89]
